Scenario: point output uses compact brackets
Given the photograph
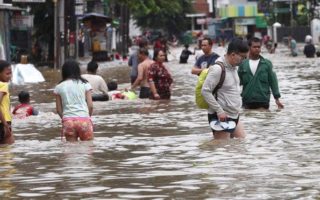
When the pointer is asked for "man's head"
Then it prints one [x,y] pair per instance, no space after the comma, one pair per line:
[92,67]
[206,45]
[24,97]
[254,47]
[143,54]
[237,51]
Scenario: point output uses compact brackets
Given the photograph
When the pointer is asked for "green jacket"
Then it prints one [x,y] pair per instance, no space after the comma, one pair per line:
[256,88]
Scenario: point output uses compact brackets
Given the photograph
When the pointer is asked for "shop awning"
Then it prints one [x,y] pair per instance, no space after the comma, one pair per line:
[261,22]
[239,11]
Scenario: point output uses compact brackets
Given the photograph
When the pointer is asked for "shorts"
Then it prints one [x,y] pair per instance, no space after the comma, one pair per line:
[212,117]
[77,127]
[144,93]
[256,105]
[2,132]
[100,97]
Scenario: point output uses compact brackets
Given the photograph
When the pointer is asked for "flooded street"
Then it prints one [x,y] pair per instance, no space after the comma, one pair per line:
[147,149]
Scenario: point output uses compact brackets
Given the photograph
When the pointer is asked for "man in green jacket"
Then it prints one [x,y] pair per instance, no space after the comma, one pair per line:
[257,77]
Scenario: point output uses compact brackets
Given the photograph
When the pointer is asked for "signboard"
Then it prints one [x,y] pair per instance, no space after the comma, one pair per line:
[245,21]
[201,21]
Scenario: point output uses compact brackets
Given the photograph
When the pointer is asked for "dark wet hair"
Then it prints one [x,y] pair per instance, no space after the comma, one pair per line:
[112,85]
[71,70]
[143,43]
[186,46]
[144,51]
[254,39]
[208,39]
[92,66]
[4,64]
[24,97]
[237,45]
[156,53]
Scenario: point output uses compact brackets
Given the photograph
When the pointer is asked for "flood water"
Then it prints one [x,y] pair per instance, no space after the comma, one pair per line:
[147,149]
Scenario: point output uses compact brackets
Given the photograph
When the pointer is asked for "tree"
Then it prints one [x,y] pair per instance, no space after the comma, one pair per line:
[167,15]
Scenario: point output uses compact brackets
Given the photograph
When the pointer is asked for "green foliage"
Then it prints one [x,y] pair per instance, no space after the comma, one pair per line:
[168,15]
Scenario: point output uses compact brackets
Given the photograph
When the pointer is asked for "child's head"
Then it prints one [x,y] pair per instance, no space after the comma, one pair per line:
[24,97]
[112,85]
[92,67]
[71,70]
[5,71]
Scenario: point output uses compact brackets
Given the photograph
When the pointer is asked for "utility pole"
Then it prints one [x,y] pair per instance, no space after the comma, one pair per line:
[291,14]
[56,51]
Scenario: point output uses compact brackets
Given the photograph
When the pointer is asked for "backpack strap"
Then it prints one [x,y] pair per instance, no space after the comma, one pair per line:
[222,77]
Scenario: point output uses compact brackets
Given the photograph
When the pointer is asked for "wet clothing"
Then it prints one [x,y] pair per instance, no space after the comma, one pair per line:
[162,79]
[24,110]
[228,96]
[5,103]
[309,50]
[185,56]
[97,83]
[145,92]
[205,61]
[133,63]
[77,127]
[2,132]
[73,96]
[256,88]
[293,47]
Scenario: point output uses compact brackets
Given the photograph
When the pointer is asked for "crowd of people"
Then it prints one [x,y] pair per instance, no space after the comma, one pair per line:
[248,82]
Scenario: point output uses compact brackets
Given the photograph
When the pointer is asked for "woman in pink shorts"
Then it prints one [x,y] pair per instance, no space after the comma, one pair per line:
[74,103]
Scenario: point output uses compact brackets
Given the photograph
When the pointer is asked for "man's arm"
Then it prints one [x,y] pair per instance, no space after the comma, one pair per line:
[139,78]
[209,84]
[195,70]
[274,87]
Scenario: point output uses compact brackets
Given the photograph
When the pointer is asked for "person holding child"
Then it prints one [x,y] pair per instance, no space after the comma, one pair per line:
[6,135]
[74,103]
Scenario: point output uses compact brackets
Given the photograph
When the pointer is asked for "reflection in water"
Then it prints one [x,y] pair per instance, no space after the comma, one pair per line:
[7,171]
[164,150]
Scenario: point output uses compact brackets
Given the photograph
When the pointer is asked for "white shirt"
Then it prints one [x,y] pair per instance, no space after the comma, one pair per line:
[97,83]
[253,65]
[73,96]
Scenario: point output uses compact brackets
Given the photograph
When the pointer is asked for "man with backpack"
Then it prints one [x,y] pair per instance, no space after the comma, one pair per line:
[205,60]
[225,103]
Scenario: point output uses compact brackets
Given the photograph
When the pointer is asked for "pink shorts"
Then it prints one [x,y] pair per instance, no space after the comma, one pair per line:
[77,127]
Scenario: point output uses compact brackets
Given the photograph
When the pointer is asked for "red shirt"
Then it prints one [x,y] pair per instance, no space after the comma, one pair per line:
[23,110]
[162,79]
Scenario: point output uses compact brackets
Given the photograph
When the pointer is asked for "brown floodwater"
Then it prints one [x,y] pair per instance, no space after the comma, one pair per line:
[147,149]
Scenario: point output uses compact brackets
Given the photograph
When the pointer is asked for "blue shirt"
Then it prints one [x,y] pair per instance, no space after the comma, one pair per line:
[203,61]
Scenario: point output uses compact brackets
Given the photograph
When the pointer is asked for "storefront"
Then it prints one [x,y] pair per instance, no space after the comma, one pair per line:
[5,28]
[246,19]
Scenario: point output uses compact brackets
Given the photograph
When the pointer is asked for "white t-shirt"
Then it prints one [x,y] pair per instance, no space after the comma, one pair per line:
[73,96]
[97,83]
[253,65]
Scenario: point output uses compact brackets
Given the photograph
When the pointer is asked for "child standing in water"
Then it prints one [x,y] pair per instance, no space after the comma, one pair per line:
[6,136]
[74,103]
